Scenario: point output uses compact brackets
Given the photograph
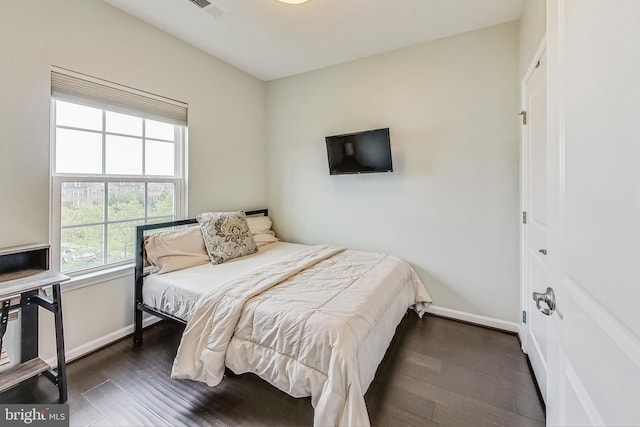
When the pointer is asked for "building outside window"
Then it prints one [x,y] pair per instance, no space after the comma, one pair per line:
[116,163]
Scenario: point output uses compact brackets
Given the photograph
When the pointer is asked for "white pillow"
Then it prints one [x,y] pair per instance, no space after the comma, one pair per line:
[264,239]
[259,224]
[175,250]
[260,227]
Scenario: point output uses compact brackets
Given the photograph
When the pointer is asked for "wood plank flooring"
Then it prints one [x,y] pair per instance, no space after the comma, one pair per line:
[437,372]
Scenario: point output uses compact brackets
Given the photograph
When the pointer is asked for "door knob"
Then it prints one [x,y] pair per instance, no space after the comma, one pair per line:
[542,251]
[548,298]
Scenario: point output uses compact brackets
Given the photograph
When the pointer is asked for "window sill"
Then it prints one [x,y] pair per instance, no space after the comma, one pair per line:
[97,277]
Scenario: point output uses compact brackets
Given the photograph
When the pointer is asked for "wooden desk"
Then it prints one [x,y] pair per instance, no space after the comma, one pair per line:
[24,274]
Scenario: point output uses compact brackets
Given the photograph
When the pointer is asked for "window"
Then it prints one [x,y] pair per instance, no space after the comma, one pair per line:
[113,168]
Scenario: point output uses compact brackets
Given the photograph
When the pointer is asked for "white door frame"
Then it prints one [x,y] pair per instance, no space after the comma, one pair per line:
[525,290]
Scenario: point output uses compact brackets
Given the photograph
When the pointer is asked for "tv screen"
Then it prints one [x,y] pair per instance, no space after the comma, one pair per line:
[360,152]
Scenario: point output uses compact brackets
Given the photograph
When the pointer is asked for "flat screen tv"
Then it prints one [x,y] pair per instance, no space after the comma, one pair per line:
[360,152]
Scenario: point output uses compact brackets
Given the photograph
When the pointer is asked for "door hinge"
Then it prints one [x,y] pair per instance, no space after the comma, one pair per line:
[524,316]
[524,217]
[524,116]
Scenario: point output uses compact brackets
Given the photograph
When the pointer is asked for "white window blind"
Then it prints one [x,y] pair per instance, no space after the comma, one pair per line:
[70,86]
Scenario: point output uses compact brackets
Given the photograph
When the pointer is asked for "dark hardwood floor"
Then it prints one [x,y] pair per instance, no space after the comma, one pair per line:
[437,372]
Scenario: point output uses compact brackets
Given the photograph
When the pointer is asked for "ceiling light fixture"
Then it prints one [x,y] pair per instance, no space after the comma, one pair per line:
[293,1]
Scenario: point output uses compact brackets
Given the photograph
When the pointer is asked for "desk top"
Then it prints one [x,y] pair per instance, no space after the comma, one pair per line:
[38,280]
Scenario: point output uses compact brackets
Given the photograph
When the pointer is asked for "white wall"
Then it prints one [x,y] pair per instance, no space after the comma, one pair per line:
[450,207]
[226,126]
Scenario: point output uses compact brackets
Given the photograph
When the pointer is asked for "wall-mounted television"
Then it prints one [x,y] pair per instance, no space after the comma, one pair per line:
[360,152]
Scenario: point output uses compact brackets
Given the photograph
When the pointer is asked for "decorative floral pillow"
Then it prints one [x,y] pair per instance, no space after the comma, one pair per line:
[226,235]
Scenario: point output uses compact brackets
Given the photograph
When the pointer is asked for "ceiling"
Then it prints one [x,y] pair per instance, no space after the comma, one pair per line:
[270,40]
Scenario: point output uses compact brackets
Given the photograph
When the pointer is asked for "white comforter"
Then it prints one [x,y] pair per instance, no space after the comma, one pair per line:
[316,323]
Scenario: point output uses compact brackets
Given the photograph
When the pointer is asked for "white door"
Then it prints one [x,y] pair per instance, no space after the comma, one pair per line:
[593,230]
[534,206]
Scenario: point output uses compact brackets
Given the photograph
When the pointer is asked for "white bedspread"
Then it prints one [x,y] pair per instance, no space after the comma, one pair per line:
[178,292]
[316,323]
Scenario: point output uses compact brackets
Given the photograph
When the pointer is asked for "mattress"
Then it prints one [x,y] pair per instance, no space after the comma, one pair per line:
[177,292]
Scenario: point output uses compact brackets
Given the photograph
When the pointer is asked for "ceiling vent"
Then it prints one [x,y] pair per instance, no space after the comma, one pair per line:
[214,11]
[200,3]
[211,9]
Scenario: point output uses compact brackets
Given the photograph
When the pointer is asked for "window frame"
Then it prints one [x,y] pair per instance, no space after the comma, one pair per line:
[179,181]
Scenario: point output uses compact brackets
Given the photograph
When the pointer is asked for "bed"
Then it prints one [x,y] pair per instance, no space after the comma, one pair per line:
[311,320]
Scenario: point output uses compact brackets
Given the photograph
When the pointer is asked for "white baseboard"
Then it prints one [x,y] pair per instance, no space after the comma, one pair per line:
[475,318]
[84,349]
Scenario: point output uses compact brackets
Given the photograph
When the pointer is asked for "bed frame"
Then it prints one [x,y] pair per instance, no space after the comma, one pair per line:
[139,273]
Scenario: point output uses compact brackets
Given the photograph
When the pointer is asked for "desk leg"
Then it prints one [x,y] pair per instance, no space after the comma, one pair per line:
[28,324]
[62,365]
